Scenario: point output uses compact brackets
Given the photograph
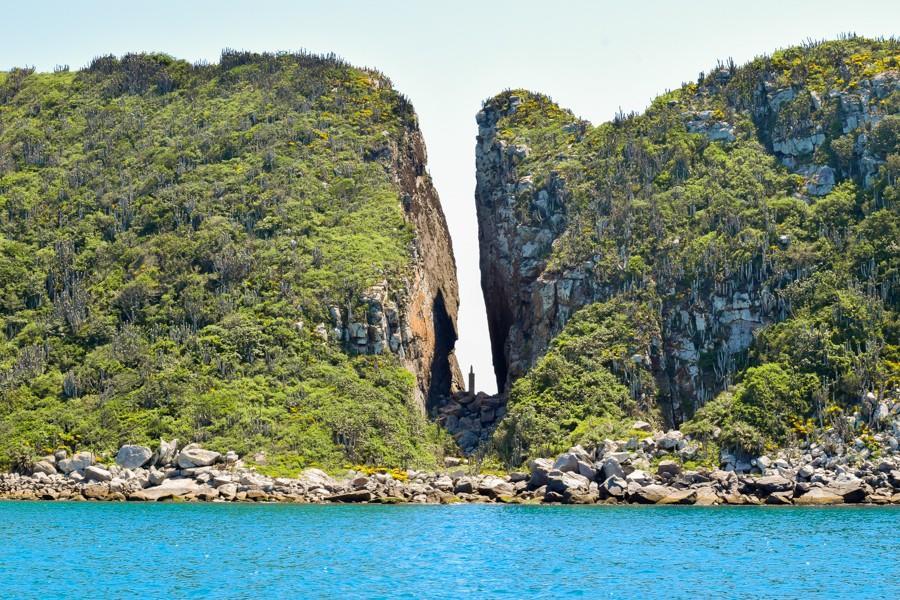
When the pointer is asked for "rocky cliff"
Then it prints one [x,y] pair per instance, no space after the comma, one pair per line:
[708,219]
[249,254]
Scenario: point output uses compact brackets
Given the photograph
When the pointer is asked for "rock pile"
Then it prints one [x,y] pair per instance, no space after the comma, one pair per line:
[470,418]
[645,471]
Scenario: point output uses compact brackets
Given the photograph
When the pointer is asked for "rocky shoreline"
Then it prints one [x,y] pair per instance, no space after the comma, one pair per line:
[651,470]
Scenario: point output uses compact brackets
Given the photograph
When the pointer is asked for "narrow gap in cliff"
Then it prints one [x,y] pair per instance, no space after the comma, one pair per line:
[444,342]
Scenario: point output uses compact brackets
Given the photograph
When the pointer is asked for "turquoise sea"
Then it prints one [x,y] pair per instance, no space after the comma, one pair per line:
[110,550]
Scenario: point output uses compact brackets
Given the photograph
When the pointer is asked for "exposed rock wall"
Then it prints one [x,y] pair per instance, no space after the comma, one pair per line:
[418,321]
[706,327]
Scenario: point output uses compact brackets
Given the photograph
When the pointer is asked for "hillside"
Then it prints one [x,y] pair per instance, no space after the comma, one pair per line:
[247,254]
[727,261]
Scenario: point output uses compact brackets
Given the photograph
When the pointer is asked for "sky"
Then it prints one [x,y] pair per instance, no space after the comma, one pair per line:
[447,57]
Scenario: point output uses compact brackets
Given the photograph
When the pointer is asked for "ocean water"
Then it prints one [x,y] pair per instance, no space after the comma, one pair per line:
[112,550]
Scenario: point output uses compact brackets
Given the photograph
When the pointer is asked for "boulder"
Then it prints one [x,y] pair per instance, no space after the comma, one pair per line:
[317,478]
[464,485]
[612,468]
[706,496]
[43,466]
[95,473]
[567,482]
[779,498]
[566,462]
[772,483]
[193,456]
[170,488]
[540,467]
[668,468]
[649,494]
[818,496]
[587,470]
[614,487]
[227,491]
[353,496]
[641,426]
[679,497]
[850,490]
[78,462]
[133,457]
[95,491]
[494,487]
[806,471]
[165,455]
[670,440]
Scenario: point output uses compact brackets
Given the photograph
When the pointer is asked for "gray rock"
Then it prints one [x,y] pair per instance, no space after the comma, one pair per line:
[567,463]
[227,491]
[806,471]
[668,468]
[587,470]
[540,467]
[132,457]
[494,487]
[563,482]
[614,487]
[351,497]
[194,456]
[670,440]
[612,468]
[169,488]
[95,473]
[165,455]
[43,466]
[772,483]
[641,426]
[78,462]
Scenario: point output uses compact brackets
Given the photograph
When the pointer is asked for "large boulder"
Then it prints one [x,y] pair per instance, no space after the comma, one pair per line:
[170,488]
[679,497]
[566,462]
[614,487]
[540,468]
[670,440]
[44,466]
[852,490]
[78,462]
[649,494]
[494,487]
[770,484]
[612,468]
[95,473]
[818,496]
[668,468]
[193,456]
[567,483]
[165,454]
[133,457]
[352,496]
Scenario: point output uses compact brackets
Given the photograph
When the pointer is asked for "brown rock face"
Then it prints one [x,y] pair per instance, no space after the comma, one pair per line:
[433,300]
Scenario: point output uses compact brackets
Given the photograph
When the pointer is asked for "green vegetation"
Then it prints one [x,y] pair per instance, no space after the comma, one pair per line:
[665,216]
[584,386]
[170,236]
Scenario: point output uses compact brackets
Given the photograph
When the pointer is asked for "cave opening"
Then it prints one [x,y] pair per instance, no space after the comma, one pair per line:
[445,336]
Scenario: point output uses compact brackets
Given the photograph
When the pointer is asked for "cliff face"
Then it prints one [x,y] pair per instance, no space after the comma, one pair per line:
[710,209]
[248,254]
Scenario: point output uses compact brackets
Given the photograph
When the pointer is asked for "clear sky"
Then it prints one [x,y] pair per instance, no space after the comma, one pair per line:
[592,57]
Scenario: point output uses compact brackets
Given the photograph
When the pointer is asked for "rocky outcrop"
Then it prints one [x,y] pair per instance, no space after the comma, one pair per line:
[706,324]
[416,322]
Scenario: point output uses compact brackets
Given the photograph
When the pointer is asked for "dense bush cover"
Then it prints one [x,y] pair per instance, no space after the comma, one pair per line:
[663,216]
[170,236]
